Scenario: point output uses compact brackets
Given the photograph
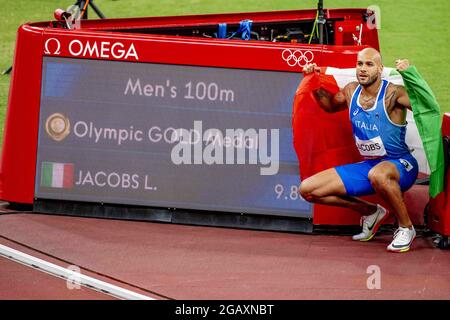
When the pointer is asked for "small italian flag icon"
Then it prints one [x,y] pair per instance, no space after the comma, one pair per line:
[57,175]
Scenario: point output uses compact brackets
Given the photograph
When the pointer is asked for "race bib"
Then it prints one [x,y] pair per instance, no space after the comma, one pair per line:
[371,148]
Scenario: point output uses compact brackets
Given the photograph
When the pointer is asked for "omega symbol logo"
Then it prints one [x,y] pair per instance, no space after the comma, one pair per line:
[52,46]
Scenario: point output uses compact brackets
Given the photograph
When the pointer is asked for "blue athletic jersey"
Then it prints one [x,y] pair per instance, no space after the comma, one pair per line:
[375,134]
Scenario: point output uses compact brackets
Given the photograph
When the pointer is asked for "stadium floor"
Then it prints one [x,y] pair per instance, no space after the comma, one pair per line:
[166,261]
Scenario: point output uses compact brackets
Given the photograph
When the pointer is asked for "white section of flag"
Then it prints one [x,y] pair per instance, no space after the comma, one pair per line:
[58,175]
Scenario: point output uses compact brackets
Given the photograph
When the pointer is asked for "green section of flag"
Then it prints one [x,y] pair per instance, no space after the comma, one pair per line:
[46,174]
[428,119]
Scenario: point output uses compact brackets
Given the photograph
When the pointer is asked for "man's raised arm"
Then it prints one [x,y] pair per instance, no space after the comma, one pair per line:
[327,101]
[402,96]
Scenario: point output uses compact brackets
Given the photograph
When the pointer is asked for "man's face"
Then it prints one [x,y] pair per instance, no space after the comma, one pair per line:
[368,70]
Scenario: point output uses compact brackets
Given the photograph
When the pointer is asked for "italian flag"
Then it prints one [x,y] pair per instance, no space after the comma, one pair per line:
[324,139]
[57,175]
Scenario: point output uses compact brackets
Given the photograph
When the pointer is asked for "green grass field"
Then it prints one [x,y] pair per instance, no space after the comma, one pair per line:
[413,29]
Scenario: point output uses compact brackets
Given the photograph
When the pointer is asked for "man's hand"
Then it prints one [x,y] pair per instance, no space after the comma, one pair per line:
[402,98]
[401,65]
[310,68]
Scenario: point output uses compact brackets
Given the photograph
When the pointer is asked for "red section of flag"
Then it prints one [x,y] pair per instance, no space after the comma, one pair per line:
[321,140]
[68,175]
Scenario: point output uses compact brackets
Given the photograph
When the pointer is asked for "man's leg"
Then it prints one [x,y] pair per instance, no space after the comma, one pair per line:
[339,187]
[327,188]
[385,178]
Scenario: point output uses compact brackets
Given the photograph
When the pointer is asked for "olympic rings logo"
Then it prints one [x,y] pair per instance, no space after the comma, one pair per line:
[297,57]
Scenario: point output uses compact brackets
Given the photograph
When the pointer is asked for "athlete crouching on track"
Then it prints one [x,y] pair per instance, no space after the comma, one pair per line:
[378,117]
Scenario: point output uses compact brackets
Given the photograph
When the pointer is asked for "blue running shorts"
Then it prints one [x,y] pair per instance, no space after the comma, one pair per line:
[355,175]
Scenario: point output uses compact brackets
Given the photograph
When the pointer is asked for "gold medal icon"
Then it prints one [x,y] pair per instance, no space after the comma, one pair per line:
[57,126]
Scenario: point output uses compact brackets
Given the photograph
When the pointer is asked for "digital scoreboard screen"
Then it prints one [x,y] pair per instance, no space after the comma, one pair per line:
[168,136]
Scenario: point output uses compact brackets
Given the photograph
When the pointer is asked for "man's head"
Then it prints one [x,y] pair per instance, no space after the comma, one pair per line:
[368,67]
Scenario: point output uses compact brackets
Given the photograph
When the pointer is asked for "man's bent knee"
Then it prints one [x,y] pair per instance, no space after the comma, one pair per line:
[306,190]
[382,175]
[380,181]
[322,184]
[310,191]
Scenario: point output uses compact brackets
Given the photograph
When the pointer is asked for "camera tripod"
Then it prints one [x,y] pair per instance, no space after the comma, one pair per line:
[81,8]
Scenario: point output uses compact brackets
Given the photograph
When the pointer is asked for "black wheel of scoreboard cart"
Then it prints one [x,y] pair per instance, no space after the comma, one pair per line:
[443,243]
